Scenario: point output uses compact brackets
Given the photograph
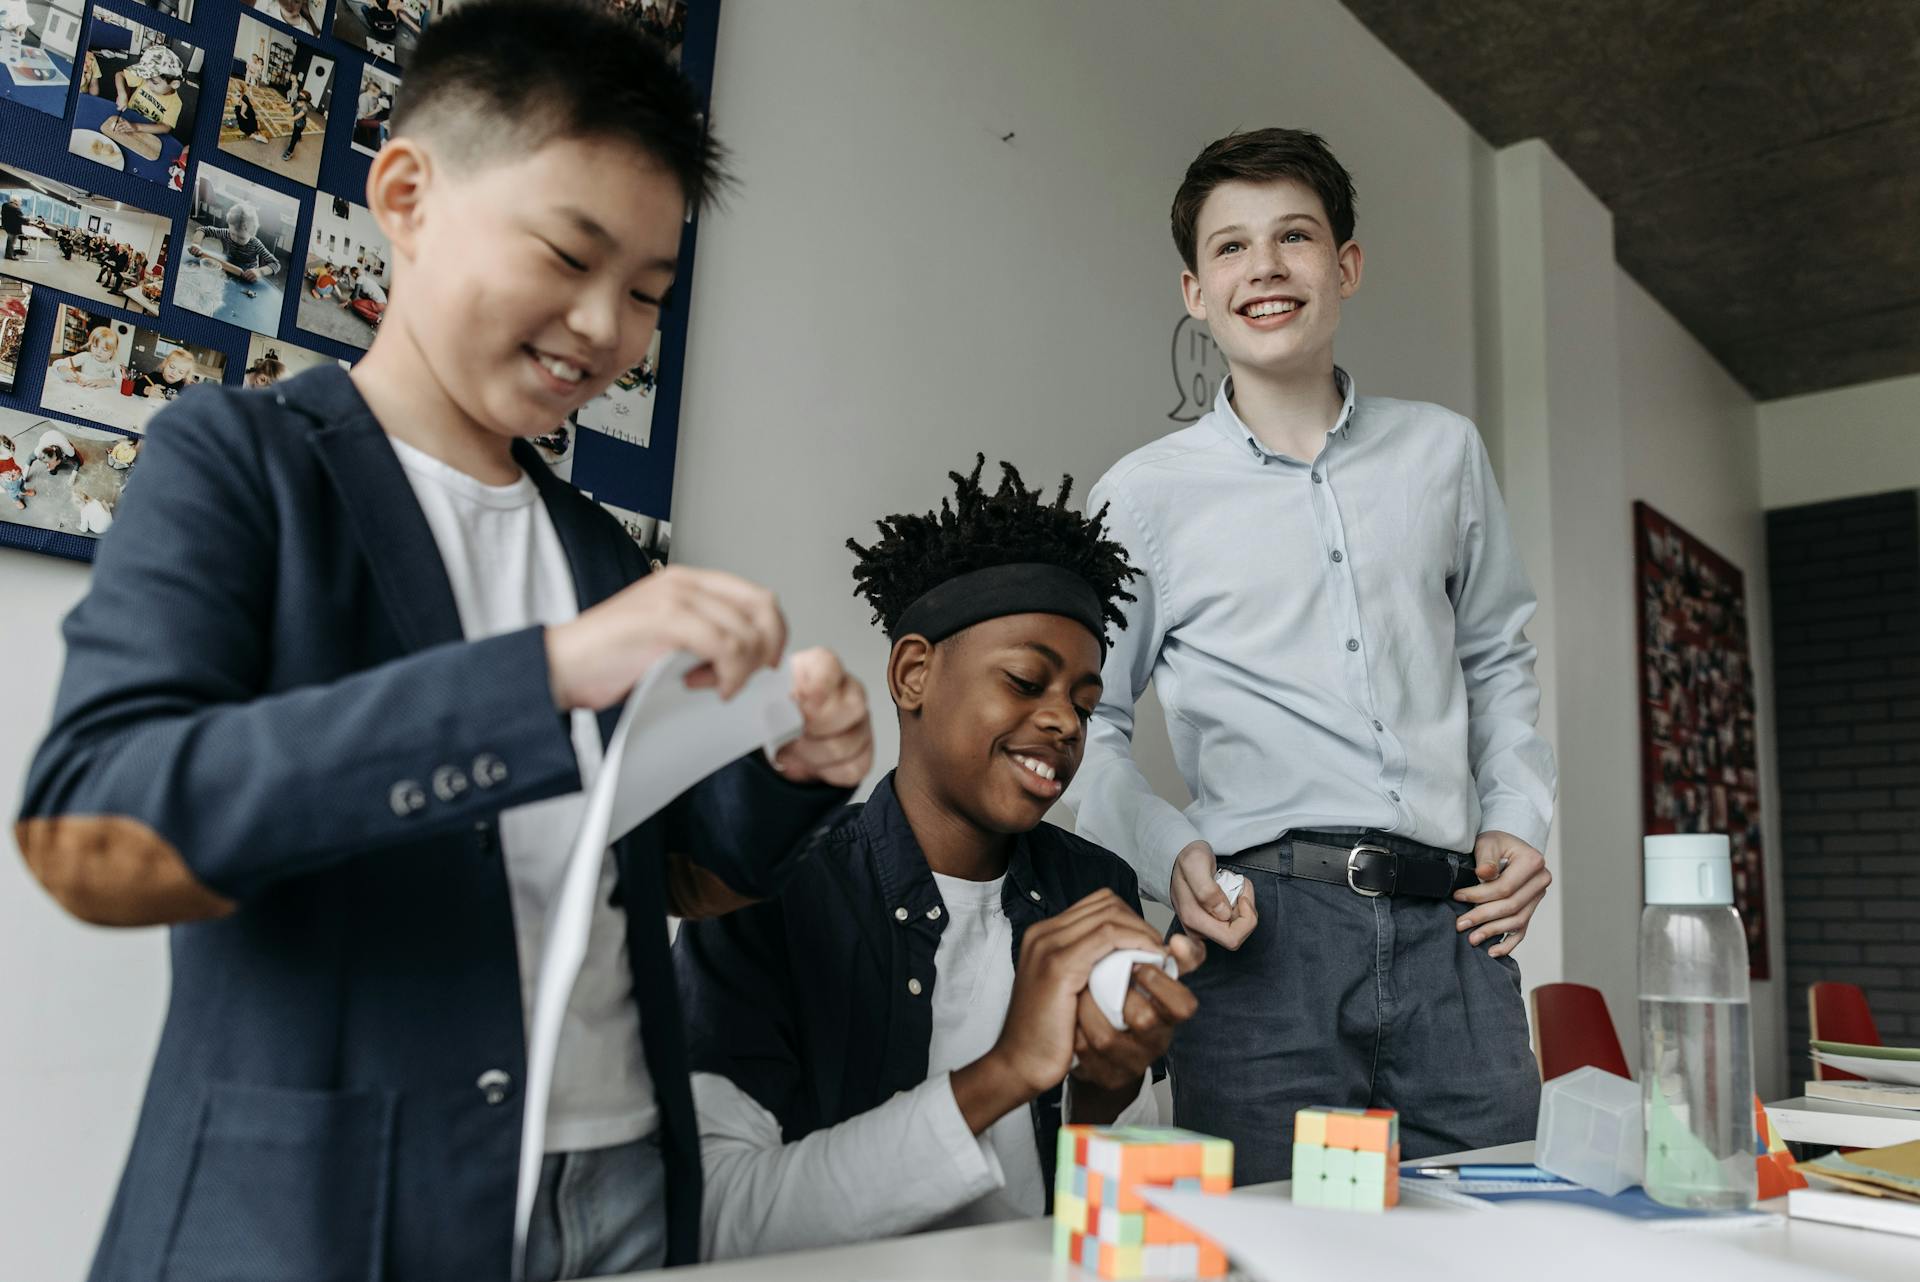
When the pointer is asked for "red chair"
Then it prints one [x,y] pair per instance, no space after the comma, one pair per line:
[1571,1029]
[1839,1013]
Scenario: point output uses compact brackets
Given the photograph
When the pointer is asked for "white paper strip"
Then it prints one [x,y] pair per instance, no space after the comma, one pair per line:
[668,739]
[1901,1072]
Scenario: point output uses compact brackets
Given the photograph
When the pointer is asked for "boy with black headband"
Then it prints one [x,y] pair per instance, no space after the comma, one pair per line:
[869,1057]
[1333,614]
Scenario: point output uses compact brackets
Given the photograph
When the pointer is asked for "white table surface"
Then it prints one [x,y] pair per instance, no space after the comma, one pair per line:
[1023,1249]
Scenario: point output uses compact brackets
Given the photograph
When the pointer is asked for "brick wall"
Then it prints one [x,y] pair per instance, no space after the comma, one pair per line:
[1846,662]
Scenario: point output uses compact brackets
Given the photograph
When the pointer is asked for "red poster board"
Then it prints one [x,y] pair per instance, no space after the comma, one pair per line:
[1699,756]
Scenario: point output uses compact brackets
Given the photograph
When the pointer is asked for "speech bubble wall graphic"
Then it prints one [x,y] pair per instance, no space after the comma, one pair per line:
[1198,367]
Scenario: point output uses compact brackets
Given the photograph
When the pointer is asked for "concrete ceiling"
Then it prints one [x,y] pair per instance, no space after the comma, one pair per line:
[1761,158]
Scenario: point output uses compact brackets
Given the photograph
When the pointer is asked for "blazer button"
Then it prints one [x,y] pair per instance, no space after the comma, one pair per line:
[1034,895]
[494,1086]
[448,783]
[913,986]
[405,797]
[900,914]
[489,770]
[933,913]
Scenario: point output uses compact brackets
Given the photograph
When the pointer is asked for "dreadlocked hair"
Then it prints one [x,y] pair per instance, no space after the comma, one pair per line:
[975,530]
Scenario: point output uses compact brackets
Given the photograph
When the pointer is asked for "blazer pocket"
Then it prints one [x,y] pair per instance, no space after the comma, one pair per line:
[285,1186]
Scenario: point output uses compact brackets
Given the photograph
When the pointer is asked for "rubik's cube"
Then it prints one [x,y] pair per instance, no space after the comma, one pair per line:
[1347,1158]
[1103,1224]
[1770,1155]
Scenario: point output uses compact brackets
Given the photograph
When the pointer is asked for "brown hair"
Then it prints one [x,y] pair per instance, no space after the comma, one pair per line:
[1264,155]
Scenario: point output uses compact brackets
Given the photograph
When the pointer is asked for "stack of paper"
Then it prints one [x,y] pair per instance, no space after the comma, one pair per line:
[1876,1189]
[1898,1064]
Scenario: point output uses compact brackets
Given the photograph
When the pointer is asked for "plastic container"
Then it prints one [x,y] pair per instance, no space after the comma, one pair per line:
[1696,1050]
[1590,1130]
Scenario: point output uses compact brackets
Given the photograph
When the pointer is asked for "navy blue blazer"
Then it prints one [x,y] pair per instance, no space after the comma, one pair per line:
[804,1001]
[271,735]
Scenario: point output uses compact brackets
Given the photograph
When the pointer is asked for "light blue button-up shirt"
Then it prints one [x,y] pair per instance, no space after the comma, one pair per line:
[1338,644]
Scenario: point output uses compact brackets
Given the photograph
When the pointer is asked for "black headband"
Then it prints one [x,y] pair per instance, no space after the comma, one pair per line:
[1027,587]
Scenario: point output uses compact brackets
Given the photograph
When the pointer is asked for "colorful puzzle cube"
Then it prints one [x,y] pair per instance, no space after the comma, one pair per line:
[1103,1224]
[1775,1163]
[1347,1158]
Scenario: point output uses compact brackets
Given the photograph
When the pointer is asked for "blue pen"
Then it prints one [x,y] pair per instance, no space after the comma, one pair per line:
[1531,1174]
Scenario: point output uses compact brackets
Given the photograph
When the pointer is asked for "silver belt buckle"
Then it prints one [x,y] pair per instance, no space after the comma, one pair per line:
[1355,853]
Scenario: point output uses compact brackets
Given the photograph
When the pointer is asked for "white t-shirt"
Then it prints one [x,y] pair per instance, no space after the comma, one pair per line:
[508,572]
[973,969]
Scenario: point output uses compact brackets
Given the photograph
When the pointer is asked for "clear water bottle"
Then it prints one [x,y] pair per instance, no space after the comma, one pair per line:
[1696,1050]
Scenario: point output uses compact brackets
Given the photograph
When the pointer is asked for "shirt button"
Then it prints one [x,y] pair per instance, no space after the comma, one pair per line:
[1316,479]
[1394,796]
[913,986]
[1378,726]
[1337,557]
[494,1086]
[1352,644]
[899,914]
[933,913]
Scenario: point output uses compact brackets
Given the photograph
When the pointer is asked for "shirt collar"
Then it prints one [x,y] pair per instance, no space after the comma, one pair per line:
[1226,420]
[901,866]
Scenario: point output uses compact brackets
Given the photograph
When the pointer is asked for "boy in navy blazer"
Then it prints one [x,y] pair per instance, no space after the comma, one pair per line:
[346,660]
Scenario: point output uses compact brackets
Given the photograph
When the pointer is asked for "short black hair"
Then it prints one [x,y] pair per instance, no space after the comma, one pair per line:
[1263,155]
[975,530]
[503,77]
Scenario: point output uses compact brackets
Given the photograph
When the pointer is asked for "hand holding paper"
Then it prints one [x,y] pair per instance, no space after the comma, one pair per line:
[836,738]
[731,628]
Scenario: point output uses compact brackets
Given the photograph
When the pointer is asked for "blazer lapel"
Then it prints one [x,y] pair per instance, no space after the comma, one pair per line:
[381,509]
[598,571]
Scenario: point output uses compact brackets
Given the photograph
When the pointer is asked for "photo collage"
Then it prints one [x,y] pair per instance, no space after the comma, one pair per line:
[182,195]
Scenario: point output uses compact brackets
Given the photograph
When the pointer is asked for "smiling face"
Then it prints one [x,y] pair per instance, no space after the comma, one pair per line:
[996,715]
[527,285]
[1268,278]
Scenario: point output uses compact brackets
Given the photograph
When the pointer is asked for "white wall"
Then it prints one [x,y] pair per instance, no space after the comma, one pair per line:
[1689,437]
[80,1008]
[1838,444]
[895,287]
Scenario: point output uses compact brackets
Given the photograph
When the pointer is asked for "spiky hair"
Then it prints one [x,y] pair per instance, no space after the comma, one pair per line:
[974,530]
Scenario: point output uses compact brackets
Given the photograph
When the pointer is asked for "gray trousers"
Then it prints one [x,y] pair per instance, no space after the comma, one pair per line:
[1338,1000]
[599,1211]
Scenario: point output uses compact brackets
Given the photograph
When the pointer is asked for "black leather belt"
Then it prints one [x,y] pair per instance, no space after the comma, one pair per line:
[1366,863]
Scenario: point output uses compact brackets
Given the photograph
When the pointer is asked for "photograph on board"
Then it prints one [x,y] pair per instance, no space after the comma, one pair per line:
[240,239]
[625,410]
[39,40]
[654,535]
[181,9]
[100,249]
[304,16]
[16,299]
[373,109]
[387,29]
[112,372]
[343,290]
[269,360]
[139,89]
[56,475]
[278,92]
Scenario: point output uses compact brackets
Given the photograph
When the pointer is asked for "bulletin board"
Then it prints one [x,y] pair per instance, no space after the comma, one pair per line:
[130,131]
